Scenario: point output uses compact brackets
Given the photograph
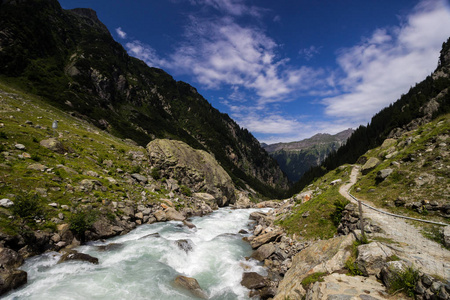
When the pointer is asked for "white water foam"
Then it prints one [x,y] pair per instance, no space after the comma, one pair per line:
[144,267]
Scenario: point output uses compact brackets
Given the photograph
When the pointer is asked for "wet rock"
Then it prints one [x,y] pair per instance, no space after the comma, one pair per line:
[253,280]
[10,259]
[191,284]
[189,224]
[11,279]
[173,215]
[74,255]
[186,245]
[151,235]
[110,247]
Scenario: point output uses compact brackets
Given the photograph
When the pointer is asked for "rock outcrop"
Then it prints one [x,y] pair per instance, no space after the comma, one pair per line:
[193,168]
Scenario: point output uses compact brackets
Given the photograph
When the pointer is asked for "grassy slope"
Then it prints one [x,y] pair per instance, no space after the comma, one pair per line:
[88,149]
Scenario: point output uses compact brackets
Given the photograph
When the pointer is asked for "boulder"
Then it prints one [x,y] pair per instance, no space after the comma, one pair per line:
[140,178]
[173,215]
[53,144]
[160,216]
[11,279]
[103,229]
[372,257]
[186,245]
[391,271]
[265,238]
[10,259]
[37,167]
[20,146]
[263,252]
[323,256]
[370,165]
[196,169]
[253,280]
[189,224]
[191,284]
[77,256]
[383,174]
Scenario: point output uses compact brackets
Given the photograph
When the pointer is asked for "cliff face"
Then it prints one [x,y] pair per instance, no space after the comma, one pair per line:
[70,59]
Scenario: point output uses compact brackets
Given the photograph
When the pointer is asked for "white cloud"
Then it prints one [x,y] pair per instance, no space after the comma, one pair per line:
[122,34]
[232,7]
[309,53]
[145,53]
[379,69]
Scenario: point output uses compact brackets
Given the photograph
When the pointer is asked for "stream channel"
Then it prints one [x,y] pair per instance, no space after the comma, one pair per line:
[143,266]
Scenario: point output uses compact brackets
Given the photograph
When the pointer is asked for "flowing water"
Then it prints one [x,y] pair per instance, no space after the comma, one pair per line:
[140,265]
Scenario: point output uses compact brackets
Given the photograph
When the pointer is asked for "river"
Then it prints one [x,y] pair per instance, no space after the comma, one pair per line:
[139,266]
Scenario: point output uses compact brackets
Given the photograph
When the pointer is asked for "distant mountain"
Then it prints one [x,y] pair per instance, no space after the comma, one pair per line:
[295,158]
[69,58]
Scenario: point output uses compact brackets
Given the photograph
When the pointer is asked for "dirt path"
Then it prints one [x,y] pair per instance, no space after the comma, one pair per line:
[426,255]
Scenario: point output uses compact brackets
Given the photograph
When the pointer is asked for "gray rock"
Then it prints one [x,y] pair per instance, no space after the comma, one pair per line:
[371,257]
[383,174]
[139,177]
[253,280]
[263,252]
[185,245]
[370,165]
[446,233]
[173,215]
[160,215]
[11,279]
[20,146]
[75,255]
[37,167]
[265,238]
[5,202]
[53,144]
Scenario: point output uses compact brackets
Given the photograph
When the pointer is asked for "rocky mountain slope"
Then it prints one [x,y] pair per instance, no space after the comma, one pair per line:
[296,158]
[76,183]
[70,59]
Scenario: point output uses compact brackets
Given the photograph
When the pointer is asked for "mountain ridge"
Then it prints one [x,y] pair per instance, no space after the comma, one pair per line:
[69,58]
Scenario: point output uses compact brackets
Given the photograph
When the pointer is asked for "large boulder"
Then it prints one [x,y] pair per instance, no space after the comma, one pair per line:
[53,144]
[191,284]
[10,277]
[370,165]
[263,252]
[253,280]
[74,255]
[372,257]
[196,169]
[173,215]
[323,256]
[265,238]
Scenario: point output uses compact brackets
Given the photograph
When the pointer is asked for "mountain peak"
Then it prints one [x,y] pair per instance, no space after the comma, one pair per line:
[90,16]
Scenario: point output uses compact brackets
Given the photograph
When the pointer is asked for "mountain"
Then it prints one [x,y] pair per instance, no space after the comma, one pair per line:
[296,158]
[422,103]
[69,58]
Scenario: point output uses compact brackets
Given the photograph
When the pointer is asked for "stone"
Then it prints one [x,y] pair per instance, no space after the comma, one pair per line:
[173,215]
[11,279]
[191,284]
[10,259]
[53,144]
[196,169]
[189,224]
[391,270]
[91,173]
[5,202]
[446,234]
[370,165]
[265,238]
[185,245]
[77,256]
[53,204]
[322,256]
[371,257]
[20,146]
[140,178]
[253,280]
[37,167]
[263,252]
[383,174]
[160,216]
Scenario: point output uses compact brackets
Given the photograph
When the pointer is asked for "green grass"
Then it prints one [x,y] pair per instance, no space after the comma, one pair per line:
[324,210]
[310,279]
[404,282]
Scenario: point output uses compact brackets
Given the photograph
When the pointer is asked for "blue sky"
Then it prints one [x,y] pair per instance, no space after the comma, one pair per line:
[285,69]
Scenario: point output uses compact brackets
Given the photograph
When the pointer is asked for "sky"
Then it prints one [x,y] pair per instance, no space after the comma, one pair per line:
[285,69]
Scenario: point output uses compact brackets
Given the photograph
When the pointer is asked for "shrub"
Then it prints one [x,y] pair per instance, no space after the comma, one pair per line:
[82,221]
[186,191]
[336,216]
[3,135]
[404,281]
[35,157]
[28,207]
[155,173]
